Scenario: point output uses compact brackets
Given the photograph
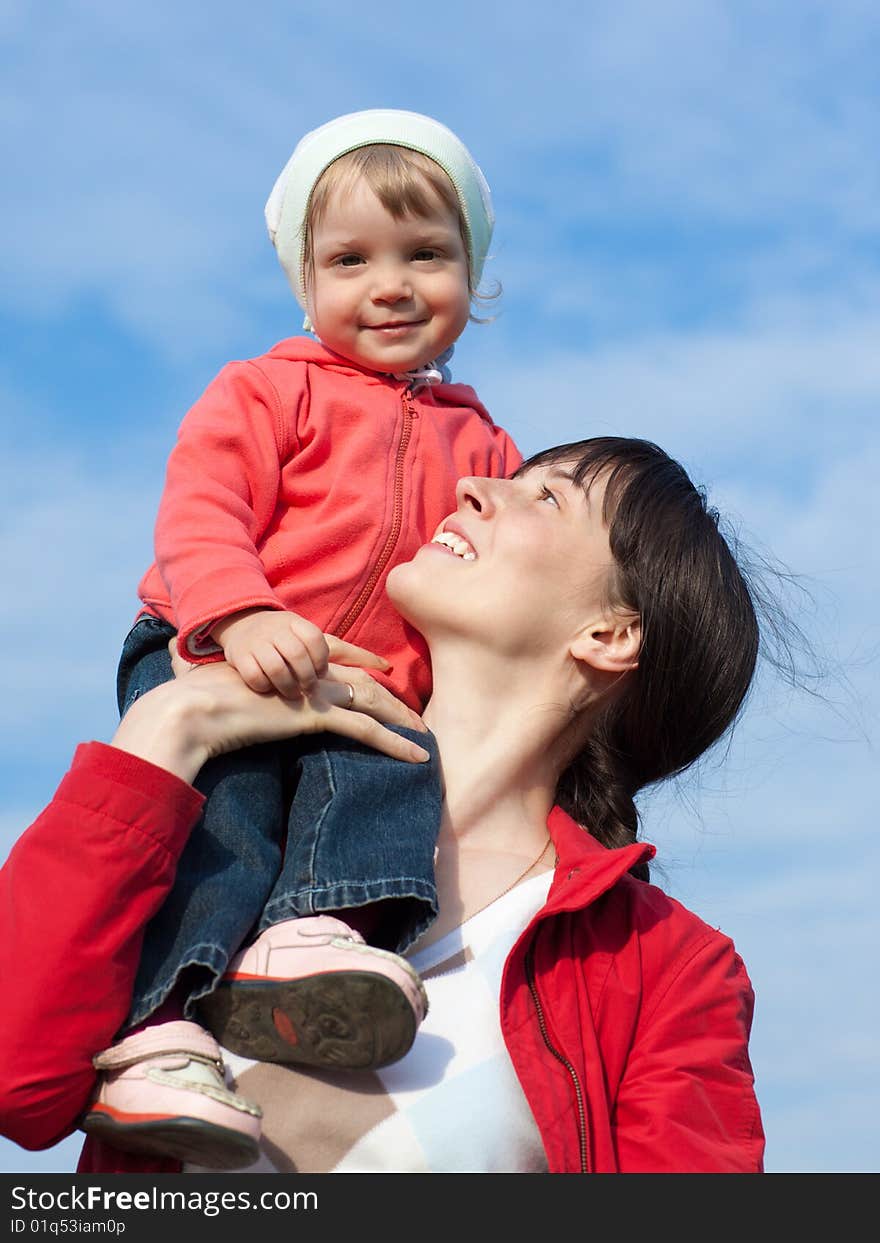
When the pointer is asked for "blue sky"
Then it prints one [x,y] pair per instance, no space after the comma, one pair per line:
[687,238]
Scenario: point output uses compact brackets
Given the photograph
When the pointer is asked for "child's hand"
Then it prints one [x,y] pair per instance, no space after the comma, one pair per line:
[280,651]
[274,650]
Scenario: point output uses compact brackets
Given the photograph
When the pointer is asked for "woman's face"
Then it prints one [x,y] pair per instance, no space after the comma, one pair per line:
[521,566]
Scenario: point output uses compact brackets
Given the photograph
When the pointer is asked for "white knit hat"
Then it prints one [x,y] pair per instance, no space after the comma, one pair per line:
[288,204]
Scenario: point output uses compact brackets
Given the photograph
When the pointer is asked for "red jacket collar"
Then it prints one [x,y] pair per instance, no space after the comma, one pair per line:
[585,868]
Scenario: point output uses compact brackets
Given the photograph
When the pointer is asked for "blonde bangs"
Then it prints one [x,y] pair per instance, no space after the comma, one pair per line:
[404,181]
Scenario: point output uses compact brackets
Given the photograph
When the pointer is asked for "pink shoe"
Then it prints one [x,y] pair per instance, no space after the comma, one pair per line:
[311,992]
[163,1092]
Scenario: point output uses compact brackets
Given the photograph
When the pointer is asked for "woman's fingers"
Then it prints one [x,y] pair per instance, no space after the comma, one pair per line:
[212,710]
[234,716]
[372,699]
[343,653]
[351,723]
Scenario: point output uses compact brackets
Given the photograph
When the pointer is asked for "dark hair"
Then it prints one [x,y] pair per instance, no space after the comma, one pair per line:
[699,632]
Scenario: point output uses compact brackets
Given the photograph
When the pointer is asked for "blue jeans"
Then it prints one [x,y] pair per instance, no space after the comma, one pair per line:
[288,829]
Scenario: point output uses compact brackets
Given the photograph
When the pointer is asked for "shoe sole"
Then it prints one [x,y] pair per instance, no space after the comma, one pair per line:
[182,1139]
[345,1020]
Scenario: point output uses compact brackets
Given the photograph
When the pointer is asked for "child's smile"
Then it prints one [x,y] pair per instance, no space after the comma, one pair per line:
[388,294]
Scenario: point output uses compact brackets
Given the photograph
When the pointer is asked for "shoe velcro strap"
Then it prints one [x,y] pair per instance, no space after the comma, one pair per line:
[164,1038]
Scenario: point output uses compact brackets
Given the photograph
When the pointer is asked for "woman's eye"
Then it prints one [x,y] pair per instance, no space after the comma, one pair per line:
[547,495]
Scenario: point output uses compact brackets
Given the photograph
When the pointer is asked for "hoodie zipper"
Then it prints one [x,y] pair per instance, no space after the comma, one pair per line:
[583,1139]
[409,413]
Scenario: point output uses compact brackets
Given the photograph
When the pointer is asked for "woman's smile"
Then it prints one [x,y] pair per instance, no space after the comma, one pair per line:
[451,537]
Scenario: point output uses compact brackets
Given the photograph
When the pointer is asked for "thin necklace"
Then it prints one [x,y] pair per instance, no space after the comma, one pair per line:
[513,884]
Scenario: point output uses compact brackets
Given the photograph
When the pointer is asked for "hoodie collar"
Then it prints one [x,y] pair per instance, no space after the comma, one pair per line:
[310,350]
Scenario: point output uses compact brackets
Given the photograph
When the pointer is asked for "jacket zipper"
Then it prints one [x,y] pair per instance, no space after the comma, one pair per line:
[583,1138]
[409,413]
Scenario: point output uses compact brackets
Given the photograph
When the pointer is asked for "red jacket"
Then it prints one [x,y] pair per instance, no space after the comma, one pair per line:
[297,482]
[626,1017]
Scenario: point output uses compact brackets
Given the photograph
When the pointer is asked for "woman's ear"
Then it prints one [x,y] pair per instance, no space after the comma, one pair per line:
[611,644]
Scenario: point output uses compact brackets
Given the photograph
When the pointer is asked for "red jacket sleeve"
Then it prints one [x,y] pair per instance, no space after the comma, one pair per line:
[687,1102]
[75,894]
[221,489]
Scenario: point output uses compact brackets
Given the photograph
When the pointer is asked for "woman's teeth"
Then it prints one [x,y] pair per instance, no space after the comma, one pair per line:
[455,544]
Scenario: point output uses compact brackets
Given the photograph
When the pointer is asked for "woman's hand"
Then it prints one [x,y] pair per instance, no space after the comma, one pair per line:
[208,710]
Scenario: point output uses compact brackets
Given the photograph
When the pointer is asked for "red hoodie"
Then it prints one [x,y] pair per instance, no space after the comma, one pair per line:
[626,1017]
[298,481]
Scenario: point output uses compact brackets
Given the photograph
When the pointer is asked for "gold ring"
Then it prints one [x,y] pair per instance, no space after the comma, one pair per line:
[350,694]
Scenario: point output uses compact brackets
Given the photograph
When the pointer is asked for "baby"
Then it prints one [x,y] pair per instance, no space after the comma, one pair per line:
[298,481]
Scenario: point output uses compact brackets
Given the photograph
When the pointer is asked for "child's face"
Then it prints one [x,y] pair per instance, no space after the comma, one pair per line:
[387,294]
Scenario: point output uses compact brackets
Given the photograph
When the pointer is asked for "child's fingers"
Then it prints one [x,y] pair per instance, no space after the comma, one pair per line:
[298,662]
[252,675]
[282,677]
[343,653]
[313,642]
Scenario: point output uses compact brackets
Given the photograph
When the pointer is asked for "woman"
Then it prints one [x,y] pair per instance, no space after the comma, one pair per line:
[590,634]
